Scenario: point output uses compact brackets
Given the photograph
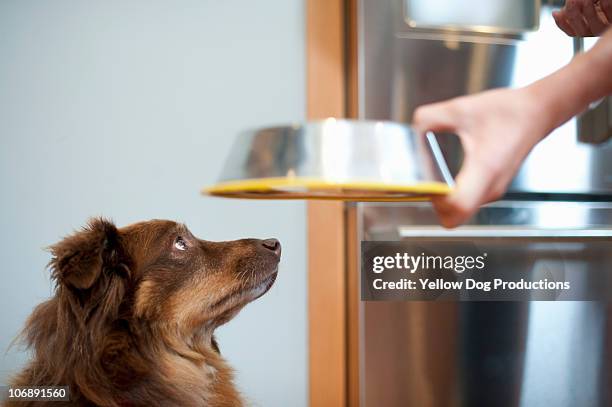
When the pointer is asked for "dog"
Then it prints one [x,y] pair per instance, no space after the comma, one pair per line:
[134,312]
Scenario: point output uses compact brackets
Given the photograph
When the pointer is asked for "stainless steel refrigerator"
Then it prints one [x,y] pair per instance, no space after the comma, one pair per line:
[556,214]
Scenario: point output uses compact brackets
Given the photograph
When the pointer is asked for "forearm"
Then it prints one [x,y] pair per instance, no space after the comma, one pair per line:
[569,91]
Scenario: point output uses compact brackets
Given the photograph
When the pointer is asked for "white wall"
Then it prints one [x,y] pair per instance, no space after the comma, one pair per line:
[125,109]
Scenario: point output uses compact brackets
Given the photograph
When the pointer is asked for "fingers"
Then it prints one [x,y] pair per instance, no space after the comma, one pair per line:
[471,190]
[606,8]
[582,17]
[562,23]
[574,14]
[595,23]
[441,116]
[577,21]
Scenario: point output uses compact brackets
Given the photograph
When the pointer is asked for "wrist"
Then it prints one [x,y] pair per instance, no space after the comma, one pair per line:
[597,67]
[540,111]
[561,95]
[570,90]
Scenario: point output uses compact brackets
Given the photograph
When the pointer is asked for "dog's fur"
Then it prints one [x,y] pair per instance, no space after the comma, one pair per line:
[132,319]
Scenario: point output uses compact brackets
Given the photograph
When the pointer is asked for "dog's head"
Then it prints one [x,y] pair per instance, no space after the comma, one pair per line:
[159,272]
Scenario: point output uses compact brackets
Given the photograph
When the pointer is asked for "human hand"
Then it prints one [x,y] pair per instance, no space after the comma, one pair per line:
[584,18]
[497,129]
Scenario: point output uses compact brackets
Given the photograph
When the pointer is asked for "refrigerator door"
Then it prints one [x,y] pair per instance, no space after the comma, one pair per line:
[526,354]
[403,67]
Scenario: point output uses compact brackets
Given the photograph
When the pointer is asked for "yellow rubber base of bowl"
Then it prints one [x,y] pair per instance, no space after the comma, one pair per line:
[313,188]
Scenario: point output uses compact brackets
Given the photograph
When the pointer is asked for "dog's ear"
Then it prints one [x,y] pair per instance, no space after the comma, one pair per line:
[81,258]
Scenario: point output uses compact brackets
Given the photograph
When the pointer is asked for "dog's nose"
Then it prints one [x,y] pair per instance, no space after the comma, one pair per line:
[273,245]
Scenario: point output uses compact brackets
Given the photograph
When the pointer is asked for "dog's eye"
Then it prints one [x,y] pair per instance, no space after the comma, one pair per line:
[180,243]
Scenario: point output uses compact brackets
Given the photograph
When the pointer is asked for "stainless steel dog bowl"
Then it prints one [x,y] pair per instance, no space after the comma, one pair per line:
[335,159]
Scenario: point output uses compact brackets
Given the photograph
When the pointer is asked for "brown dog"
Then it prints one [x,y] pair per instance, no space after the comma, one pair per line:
[134,311]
